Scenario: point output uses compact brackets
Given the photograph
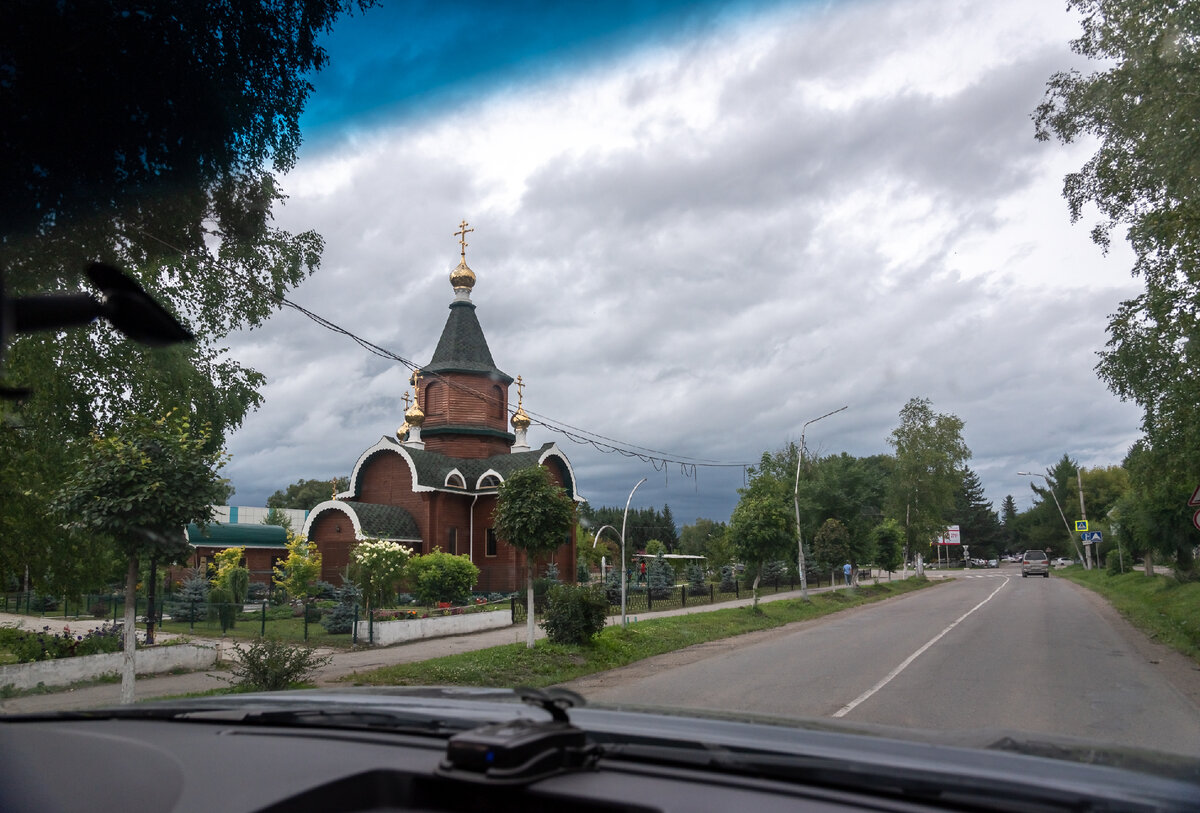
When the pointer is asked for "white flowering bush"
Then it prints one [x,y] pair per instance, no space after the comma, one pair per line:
[377,567]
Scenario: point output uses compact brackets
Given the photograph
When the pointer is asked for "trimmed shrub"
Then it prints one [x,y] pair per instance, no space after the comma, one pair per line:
[220,601]
[582,574]
[258,592]
[575,615]
[270,665]
[442,577]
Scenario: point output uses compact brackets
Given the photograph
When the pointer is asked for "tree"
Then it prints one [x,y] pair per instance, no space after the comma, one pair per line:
[831,545]
[762,527]
[147,140]
[140,486]
[696,539]
[533,515]
[1143,110]
[377,566]
[930,453]
[299,572]
[1008,522]
[307,494]
[977,521]
[889,545]
[275,516]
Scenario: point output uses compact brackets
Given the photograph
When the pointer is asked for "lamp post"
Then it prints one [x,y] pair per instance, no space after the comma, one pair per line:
[1066,524]
[623,520]
[596,539]
[796,500]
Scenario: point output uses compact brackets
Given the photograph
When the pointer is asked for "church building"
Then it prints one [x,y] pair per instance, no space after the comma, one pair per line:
[433,484]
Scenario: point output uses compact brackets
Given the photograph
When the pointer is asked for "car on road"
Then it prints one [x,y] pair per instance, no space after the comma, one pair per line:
[1063,561]
[1035,563]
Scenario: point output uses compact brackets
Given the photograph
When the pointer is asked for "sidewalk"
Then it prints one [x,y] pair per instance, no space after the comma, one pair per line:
[344,663]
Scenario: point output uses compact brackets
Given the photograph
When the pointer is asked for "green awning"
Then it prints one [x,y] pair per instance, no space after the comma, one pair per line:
[235,535]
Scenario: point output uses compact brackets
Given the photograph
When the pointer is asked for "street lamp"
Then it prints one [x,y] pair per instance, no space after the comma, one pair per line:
[623,520]
[596,539]
[796,499]
[1066,524]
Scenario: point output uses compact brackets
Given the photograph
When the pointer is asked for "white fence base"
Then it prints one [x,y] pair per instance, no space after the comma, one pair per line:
[64,671]
[395,632]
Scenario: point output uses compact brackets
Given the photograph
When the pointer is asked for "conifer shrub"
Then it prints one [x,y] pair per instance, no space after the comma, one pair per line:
[575,615]
[340,619]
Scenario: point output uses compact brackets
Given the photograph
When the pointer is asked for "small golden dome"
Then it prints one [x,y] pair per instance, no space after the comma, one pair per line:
[402,432]
[414,416]
[462,276]
[520,420]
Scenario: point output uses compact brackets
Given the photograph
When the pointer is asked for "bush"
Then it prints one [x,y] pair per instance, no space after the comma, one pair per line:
[99,610]
[42,604]
[440,576]
[191,602]
[220,600]
[45,645]
[575,615]
[728,579]
[695,576]
[258,592]
[269,665]
[324,590]
[340,619]
[660,577]
[582,574]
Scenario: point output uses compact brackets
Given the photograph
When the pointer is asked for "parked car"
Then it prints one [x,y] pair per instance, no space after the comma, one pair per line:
[1035,563]
[1063,561]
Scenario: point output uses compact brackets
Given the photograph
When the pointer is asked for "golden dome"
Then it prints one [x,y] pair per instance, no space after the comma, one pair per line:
[520,420]
[462,276]
[414,416]
[402,432]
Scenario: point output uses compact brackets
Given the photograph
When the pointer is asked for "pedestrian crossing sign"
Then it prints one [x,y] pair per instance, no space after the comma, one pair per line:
[1081,525]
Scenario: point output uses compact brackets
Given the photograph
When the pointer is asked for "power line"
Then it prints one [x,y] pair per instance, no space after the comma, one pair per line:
[657,458]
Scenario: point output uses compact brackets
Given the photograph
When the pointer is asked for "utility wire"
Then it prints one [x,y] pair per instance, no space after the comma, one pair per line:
[602,443]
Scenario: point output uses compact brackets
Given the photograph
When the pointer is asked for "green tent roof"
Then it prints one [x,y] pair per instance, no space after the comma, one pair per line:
[234,535]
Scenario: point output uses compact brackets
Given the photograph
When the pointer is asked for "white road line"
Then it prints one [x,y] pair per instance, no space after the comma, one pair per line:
[849,707]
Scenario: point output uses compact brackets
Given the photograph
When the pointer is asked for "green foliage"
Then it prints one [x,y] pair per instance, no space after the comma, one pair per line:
[220,601]
[276,516]
[728,578]
[377,567]
[582,574]
[298,574]
[532,513]
[440,577]
[930,456]
[889,545]
[270,665]
[762,526]
[705,538]
[307,494]
[655,547]
[340,619]
[178,195]
[643,524]
[575,615]
[695,578]
[831,545]
[239,584]
[978,523]
[30,646]
[142,483]
[1141,108]
[191,603]
[660,577]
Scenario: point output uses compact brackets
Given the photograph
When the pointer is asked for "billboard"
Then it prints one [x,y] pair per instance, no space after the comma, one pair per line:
[950,537]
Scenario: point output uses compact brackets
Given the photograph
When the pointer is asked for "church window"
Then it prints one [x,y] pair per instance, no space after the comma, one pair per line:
[490,550]
[434,398]
[498,406]
[452,541]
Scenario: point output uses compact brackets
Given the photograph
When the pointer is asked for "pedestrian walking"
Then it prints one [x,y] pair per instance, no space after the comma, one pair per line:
[846,573]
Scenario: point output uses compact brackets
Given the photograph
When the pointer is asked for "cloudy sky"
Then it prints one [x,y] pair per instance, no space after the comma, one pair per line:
[697,226]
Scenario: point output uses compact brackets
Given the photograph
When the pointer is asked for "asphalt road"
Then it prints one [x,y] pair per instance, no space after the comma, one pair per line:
[989,650]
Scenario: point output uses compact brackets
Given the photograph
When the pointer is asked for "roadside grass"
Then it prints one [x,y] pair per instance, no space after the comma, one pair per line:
[548,664]
[1160,606]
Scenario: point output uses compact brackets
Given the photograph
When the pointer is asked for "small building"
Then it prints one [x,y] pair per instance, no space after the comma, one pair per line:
[433,484]
[266,545]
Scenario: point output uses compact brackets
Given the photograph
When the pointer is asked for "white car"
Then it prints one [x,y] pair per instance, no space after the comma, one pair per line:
[1062,561]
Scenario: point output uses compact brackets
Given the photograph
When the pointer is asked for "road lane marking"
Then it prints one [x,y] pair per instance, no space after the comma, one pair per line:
[849,707]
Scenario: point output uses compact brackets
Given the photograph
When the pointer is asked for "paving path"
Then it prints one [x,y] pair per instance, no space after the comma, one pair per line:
[343,664]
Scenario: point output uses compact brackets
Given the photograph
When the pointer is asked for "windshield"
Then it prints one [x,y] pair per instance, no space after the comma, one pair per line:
[805,327]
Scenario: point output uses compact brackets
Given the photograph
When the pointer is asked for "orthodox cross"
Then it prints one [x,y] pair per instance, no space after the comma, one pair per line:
[416,382]
[407,398]
[461,234]
[520,392]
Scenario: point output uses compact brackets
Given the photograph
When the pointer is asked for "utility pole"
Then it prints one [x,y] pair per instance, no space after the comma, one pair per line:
[1087,548]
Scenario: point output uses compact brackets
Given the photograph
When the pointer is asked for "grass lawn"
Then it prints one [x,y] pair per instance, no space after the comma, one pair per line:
[548,664]
[1160,606]
[286,629]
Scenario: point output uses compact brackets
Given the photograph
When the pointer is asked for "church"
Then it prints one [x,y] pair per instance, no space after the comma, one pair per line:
[433,484]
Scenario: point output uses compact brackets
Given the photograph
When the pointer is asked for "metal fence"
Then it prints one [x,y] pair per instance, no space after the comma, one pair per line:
[641,599]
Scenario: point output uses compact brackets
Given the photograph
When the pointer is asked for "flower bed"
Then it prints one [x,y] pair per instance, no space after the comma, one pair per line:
[29,647]
[431,625]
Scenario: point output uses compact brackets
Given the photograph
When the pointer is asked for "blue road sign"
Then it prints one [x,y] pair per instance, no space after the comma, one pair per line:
[1092,536]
